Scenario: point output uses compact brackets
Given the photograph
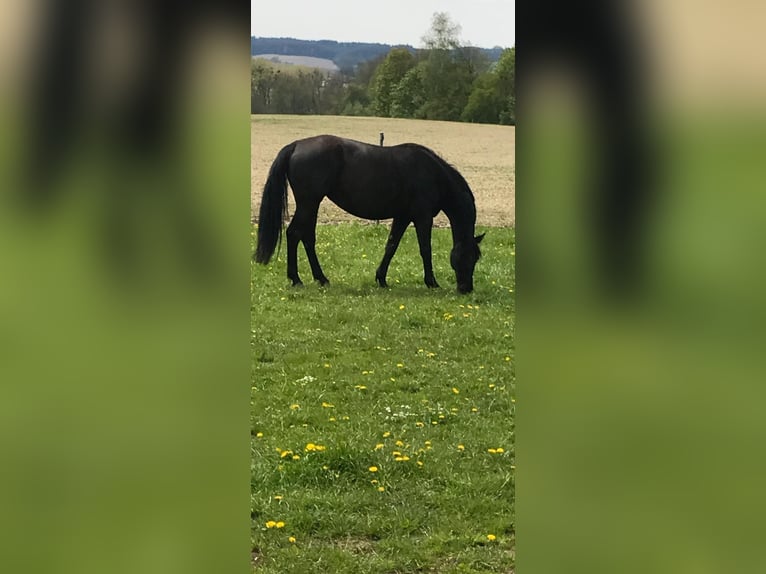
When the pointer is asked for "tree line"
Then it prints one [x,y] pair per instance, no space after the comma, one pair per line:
[443,81]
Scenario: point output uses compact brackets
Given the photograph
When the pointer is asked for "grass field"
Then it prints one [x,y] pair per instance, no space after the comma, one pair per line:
[383,419]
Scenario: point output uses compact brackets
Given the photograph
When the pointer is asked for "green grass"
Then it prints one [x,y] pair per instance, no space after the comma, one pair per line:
[343,365]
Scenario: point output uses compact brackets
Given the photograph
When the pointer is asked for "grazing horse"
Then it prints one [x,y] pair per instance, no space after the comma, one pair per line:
[408,183]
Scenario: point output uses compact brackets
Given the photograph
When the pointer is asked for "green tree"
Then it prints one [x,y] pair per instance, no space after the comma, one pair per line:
[387,77]
[449,71]
[443,35]
[493,98]
[506,85]
[409,95]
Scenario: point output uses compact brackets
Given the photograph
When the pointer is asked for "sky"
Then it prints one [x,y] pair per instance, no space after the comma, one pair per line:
[484,23]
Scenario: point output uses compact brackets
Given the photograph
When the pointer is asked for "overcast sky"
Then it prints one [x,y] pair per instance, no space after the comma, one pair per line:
[485,23]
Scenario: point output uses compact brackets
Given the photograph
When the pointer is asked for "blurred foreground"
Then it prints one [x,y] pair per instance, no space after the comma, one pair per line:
[124,232]
[641,141]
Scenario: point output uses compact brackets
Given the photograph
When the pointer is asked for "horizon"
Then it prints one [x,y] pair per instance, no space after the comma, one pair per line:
[360,42]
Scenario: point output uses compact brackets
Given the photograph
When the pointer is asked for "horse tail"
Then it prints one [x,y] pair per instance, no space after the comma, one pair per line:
[273,206]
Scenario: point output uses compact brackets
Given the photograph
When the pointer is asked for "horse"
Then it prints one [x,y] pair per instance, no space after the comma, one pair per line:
[408,183]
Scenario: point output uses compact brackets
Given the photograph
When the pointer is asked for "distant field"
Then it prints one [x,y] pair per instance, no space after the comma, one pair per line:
[307,61]
[484,154]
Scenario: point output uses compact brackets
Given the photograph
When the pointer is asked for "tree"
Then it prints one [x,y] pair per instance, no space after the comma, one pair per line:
[449,71]
[493,98]
[409,95]
[444,33]
[506,85]
[388,75]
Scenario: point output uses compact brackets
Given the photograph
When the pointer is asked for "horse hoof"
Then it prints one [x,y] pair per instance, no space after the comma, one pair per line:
[297,283]
[324,282]
[381,282]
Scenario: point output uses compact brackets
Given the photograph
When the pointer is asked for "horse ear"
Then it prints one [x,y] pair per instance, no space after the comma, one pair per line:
[480,237]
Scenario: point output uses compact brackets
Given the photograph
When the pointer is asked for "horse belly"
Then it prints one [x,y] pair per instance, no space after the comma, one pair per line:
[368,205]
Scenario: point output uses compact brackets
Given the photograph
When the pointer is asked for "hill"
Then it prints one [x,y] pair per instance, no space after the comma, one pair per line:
[345,55]
[306,61]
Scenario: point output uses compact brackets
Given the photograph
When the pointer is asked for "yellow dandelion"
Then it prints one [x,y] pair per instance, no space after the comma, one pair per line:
[373,469]
[499,450]
[327,405]
[295,406]
[461,447]
[401,307]
[278,497]
[381,489]
[284,453]
[374,481]
[259,435]
[360,387]
[474,410]
[379,446]
[492,450]
[332,419]
[396,453]
[507,359]
[310,446]
[327,365]
[386,434]
[427,443]
[399,443]
[491,537]
[271,524]
[296,457]
[400,365]
[420,463]
[280,524]
[420,424]
[491,385]
[456,390]
[291,540]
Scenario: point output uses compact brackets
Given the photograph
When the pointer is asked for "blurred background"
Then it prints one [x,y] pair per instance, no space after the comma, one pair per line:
[124,226]
[641,132]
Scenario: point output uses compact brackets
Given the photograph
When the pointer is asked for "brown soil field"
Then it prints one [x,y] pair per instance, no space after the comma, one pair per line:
[484,154]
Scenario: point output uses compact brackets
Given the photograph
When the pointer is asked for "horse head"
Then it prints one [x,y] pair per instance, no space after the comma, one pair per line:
[463,259]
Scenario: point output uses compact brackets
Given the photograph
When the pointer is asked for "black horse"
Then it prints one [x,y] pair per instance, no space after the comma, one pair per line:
[407,182]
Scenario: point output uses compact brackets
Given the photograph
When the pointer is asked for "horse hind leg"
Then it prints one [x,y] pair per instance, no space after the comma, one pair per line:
[294,234]
[309,244]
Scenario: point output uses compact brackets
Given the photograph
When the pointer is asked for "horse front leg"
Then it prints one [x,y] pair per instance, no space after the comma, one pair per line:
[423,229]
[398,227]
